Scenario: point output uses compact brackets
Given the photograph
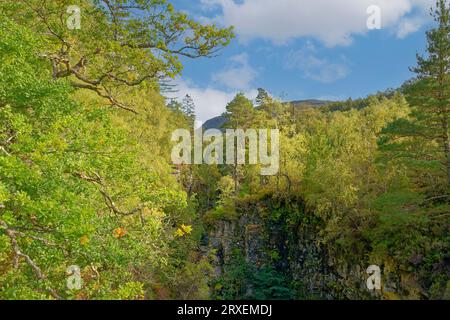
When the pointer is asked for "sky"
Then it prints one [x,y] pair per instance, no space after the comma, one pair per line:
[304,49]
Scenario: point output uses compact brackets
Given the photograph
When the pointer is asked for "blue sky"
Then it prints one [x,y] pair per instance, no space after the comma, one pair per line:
[303,49]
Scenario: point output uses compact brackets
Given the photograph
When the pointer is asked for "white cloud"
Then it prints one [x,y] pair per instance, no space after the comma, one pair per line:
[314,67]
[408,26]
[210,102]
[239,75]
[332,22]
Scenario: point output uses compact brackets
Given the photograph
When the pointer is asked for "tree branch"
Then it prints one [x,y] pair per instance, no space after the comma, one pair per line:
[107,197]
[12,234]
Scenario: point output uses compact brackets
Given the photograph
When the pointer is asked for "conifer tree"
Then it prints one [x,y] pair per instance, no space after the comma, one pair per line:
[262,97]
[433,91]
[188,109]
[422,140]
[239,112]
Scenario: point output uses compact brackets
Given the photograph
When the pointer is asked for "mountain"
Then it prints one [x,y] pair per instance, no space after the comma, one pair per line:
[314,103]
[214,123]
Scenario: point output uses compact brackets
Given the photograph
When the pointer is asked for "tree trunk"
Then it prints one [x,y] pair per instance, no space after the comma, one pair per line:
[446,148]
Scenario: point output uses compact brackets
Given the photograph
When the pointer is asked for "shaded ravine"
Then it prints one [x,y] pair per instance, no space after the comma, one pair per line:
[294,253]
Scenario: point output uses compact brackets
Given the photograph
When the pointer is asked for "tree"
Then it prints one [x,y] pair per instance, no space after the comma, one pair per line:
[433,89]
[122,44]
[239,113]
[422,139]
[262,97]
[188,109]
[174,105]
[74,187]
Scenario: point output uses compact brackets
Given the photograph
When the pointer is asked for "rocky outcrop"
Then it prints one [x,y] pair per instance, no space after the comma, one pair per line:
[297,253]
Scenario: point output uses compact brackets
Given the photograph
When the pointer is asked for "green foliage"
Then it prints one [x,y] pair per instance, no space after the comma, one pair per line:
[225,206]
[75,188]
[120,44]
[262,98]
[239,113]
[188,109]
[90,186]
[242,280]
[271,285]
[421,141]
[355,194]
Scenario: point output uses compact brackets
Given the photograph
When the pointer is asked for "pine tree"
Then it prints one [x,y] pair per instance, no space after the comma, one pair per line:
[422,140]
[174,105]
[262,98]
[433,89]
[239,113]
[188,109]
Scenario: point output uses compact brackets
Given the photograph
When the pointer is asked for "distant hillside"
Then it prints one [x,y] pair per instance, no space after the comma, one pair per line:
[214,123]
[310,103]
[218,122]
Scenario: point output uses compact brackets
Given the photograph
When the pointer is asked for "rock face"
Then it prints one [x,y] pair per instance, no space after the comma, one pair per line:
[246,234]
[303,260]
[297,253]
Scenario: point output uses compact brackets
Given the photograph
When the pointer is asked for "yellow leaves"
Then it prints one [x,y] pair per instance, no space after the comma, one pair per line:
[186,229]
[84,240]
[96,286]
[183,230]
[170,8]
[179,233]
[119,233]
